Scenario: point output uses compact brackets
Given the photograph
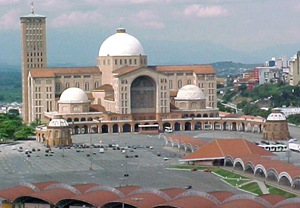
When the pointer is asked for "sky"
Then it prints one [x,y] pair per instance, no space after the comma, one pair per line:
[171,31]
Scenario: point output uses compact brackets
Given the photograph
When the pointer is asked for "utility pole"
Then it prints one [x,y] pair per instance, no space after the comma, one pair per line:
[91,154]
[121,184]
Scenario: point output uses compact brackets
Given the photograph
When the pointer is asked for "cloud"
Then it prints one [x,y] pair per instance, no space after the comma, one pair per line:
[149,19]
[10,20]
[8,2]
[154,24]
[147,15]
[197,10]
[143,1]
[76,18]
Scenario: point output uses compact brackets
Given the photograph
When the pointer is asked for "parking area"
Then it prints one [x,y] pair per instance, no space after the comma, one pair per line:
[88,165]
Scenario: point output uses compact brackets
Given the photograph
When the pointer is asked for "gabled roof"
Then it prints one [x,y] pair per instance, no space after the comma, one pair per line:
[219,148]
[52,72]
[197,68]
[125,69]
[105,87]
[187,140]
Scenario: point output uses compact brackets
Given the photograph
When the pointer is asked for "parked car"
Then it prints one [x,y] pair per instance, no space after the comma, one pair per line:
[292,140]
[207,170]
[188,187]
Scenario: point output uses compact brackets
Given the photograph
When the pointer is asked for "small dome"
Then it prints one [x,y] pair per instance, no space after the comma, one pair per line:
[58,123]
[121,44]
[73,95]
[276,116]
[190,92]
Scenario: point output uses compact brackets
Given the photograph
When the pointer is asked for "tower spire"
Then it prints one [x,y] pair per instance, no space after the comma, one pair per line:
[32,8]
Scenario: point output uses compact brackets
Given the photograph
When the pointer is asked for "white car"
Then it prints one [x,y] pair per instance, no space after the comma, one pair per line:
[166,158]
[293,140]
[168,129]
[13,147]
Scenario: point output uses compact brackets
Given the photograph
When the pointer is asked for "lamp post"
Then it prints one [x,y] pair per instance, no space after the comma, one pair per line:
[91,155]
[137,200]
[121,184]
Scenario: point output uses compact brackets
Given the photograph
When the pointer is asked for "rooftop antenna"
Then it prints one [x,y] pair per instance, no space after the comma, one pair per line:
[32,8]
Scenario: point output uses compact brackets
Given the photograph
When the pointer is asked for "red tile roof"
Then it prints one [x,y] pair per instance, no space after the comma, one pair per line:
[240,203]
[197,68]
[148,200]
[97,198]
[125,69]
[191,202]
[127,189]
[53,195]
[221,195]
[219,148]
[52,72]
[10,194]
[84,187]
[173,192]
[187,140]
[43,185]
[272,198]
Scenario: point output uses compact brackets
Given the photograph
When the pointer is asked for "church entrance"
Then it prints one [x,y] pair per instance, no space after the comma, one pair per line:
[143,95]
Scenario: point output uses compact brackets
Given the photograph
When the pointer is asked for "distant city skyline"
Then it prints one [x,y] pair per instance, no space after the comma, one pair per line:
[171,31]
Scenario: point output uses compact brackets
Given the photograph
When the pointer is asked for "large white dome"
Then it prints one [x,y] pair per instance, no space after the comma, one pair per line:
[276,116]
[121,44]
[58,123]
[190,92]
[73,95]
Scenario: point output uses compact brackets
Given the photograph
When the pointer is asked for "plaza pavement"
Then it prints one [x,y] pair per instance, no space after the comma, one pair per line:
[148,170]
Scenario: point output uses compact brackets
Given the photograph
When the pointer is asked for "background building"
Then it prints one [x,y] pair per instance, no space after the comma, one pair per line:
[33,55]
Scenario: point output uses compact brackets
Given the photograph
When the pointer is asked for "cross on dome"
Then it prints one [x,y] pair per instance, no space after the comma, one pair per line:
[32,8]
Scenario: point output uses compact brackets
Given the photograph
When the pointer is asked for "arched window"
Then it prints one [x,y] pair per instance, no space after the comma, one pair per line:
[56,134]
[170,84]
[194,105]
[67,85]
[63,134]
[189,82]
[86,86]
[179,84]
[96,84]
[57,87]
[64,108]
[76,108]
[116,61]
[77,84]
[182,105]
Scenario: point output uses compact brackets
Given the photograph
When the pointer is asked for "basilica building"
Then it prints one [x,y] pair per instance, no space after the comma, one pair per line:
[122,93]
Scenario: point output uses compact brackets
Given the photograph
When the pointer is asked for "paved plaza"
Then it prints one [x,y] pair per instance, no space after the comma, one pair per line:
[148,170]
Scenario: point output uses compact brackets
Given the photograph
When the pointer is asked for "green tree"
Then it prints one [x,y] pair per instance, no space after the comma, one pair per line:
[11,127]
[23,132]
[242,104]
[295,119]
[242,88]
[35,123]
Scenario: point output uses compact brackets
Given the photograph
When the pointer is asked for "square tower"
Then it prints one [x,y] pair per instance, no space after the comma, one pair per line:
[33,53]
